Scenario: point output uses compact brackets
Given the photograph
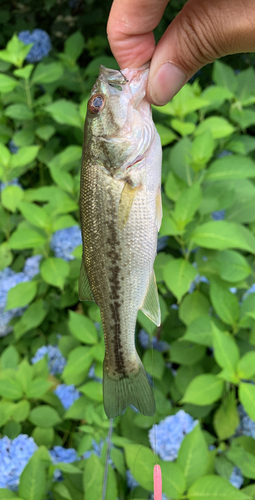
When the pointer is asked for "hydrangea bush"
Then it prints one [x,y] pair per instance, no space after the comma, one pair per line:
[201,361]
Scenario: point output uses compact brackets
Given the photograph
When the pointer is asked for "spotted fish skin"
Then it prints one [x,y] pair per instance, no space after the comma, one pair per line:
[120,216]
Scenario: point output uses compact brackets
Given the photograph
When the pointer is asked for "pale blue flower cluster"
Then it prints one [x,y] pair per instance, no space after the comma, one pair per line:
[67,394]
[249,292]
[8,280]
[97,450]
[247,425]
[92,374]
[131,481]
[236,478]
[218,215]
[64,242]
[56,360]
[12,146]
[14,456]
[159,345]
[198,279]
[13,182]
[59,454]
[170,433]
[42,44]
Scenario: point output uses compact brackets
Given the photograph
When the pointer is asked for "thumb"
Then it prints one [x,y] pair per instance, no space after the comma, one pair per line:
[203,31]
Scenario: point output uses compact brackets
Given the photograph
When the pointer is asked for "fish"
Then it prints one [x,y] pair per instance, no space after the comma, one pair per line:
[121,212]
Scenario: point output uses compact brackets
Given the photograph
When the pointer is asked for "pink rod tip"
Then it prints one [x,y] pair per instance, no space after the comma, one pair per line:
[157,483]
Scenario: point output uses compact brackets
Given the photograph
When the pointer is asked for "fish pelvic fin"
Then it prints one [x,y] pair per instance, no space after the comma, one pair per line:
[150,306]
[85,292]
[124,390]
[126,201]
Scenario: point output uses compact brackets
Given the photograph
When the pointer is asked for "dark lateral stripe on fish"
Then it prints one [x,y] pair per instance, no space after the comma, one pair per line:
[114,280]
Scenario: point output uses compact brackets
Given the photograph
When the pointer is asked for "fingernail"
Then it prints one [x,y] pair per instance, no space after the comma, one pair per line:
[167,81]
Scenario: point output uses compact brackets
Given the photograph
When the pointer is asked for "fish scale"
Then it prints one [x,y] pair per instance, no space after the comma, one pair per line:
[119,203]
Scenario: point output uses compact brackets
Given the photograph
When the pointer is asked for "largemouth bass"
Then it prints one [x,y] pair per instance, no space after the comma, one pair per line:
[120,204]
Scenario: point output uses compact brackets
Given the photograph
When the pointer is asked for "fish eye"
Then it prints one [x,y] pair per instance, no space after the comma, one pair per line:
[96,103]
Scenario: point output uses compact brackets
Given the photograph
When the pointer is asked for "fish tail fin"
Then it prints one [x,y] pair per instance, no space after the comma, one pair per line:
[121,391]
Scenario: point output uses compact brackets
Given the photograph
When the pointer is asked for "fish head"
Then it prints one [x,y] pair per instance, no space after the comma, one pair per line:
[119,126]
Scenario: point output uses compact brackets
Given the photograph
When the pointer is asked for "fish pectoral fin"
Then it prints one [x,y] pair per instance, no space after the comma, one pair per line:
[158,209]
[126,201]
[150,306]
[85,292]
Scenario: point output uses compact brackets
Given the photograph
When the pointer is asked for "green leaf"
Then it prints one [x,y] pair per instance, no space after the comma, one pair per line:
[166,134]
[179,160]
[38,388]
[178,275]
[6,409]
[67,158]
[24,72]
[31,318]
[186,205]
[154,363]
[169,227]
[36,215]
[63,179]
[224,76]
[246,365]
[65,112]
[226,417]
[55,271]
[10,358]
[173,479]
[226,352]
[186,353]
[233,266]
[247,398]
[183,128]
[7,83]
[218,126]
[16,51]
[21,411]
[5,155]
[220,235]
[45,132]
[47,73]
[82,328]
[193,456]
[32,480]
[10,389]
[43,437]
[24,156]
[244,460]
[44,416]
[11,197]
[93,479]
[94,390]
[212,487]
[5,493]
[74,45]
[204,390]
[78,364]
[200,331]
[224,302]
[26,238]
[231,167]
[21,295]
[5,256]
[193,306]
[202,150]
[19,112]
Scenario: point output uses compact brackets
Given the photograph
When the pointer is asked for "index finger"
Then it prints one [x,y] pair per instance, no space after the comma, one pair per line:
[130,30]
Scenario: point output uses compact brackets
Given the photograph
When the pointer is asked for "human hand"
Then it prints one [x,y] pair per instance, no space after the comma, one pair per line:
[203,31]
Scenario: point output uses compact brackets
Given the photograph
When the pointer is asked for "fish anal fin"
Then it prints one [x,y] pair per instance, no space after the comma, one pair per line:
[85,292]
[150,306]
[158,209]
[126,201]
[133,389]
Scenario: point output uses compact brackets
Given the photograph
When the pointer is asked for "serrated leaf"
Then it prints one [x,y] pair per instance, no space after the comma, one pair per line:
[204,390]
[226,351]
[26,238]
[246,394]
[178,275]
[24,156]
[218,126]
[54,271]
[186,205]
[246,365]
[44,416]
[231,167]
[224,302]
[34,214]
[193,456]
[65,112]
[11,197]
[212,487]
[21,295]
[32,480]
[82,328]
[226,417]
[221,235]
[7,83]
[47,73]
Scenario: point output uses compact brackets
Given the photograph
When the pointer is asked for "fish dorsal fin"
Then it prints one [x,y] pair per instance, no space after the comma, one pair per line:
[126,201]
[150,306]
[158,209]
[85,292]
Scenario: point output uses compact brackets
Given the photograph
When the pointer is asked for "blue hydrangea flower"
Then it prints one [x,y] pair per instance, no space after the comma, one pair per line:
[13,182]
[31,267]
[67,394]
[218,214]
[198,279]
[159,345]
[59,454]
[14,456]
[236,478]
[249,292]
[64,242]
[12,146]
[170,433]
[56,360]
[247,425]
[225,152]
[97,450]
[92,374]
[131,481]
[42,44]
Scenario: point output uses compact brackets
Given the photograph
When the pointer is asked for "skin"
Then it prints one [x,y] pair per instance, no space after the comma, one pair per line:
[203,31]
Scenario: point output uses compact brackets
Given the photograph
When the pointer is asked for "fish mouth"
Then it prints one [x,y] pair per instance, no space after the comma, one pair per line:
[132,82]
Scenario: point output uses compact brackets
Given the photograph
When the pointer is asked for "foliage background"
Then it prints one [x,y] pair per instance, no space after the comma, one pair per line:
[203,356]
